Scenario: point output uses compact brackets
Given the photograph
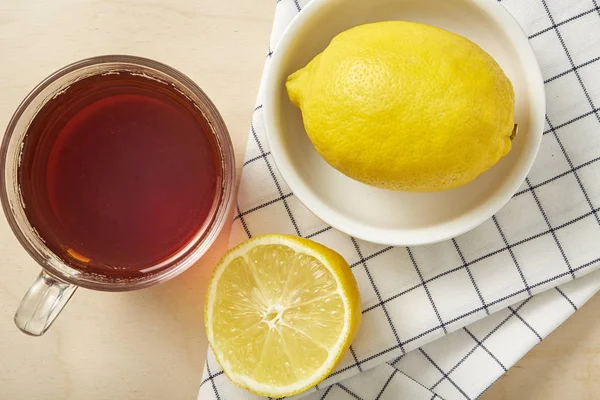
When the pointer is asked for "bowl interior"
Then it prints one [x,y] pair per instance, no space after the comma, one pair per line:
[402,218]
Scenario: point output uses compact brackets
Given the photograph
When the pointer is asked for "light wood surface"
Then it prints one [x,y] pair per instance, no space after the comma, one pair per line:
[150,344]
[565,366]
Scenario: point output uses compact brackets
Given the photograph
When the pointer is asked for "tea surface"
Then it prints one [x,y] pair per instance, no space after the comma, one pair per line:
[119,173]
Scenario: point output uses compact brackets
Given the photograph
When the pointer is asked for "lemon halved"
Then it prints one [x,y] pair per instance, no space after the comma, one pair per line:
[280,313]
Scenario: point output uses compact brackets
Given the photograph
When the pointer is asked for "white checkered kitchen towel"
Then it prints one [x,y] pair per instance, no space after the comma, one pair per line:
[447,320]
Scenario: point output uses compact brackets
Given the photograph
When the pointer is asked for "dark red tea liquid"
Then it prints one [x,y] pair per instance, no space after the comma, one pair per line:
[119,173]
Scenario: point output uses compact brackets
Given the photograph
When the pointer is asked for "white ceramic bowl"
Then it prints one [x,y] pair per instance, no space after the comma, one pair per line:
[389,217]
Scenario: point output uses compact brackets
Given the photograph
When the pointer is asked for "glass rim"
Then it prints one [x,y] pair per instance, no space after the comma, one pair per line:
[196,247]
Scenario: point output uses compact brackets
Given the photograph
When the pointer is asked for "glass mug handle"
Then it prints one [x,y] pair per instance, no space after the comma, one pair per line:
[42,303]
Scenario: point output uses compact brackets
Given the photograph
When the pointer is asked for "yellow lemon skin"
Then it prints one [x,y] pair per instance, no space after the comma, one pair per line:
[405,106]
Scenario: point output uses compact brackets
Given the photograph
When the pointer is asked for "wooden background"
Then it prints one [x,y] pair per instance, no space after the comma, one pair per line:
[150,344]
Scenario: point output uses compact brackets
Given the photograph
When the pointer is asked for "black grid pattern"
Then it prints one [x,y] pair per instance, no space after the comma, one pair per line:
[442,288]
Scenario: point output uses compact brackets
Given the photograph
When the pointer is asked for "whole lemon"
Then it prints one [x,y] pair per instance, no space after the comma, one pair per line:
[405,106]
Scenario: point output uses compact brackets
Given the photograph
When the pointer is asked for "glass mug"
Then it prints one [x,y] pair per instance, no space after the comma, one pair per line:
[61,275]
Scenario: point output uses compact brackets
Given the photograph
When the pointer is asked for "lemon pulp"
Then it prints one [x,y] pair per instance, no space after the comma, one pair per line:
[280,313]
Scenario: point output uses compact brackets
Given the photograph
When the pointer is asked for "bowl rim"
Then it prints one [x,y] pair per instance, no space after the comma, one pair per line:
[394,236]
